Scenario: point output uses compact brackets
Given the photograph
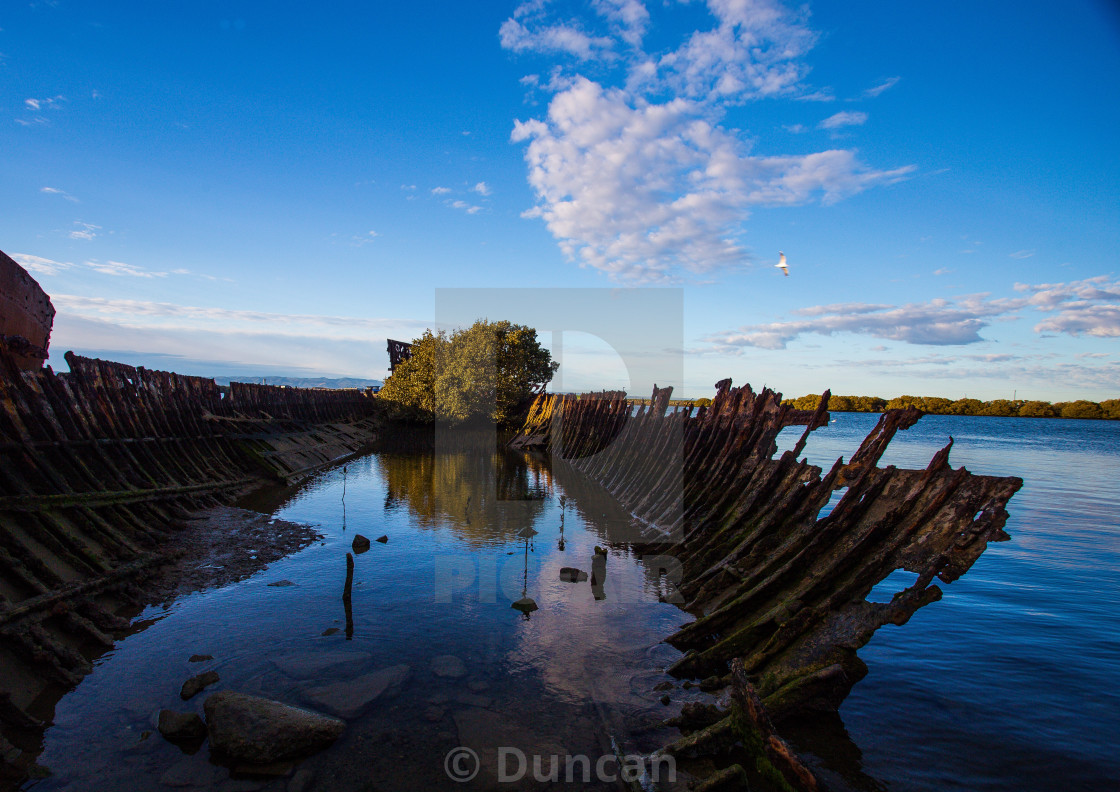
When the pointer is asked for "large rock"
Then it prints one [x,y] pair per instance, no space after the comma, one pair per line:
[349,698]
[258,730]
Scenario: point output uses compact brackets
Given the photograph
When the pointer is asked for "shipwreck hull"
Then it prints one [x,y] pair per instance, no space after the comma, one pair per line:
[100,469]
[778,592]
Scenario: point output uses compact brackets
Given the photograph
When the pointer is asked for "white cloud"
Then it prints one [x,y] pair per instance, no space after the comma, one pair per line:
[1087,307]
[466,207]
[86,231]
[561,38]
[120,269]
[644,187]
[40,265]
[937,322]
[56,191]
[440,190]
[482,188]
[890,82]
[843,119]
[143,315]
[1021,254]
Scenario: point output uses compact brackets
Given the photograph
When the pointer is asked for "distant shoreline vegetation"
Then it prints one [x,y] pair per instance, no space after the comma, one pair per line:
[935,405]
[1108,410]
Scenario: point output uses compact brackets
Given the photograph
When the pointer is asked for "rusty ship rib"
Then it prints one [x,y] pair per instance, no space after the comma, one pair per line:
[779,593]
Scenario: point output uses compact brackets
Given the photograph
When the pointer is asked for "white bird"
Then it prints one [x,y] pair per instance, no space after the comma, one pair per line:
[782,263]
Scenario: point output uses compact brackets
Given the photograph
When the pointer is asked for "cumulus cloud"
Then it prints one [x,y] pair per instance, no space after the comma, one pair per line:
[843,119]
[640,179]
[440,190]
[482,188]
[1086,307]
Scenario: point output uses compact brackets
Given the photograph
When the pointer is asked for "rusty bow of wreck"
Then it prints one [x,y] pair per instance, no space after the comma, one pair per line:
[775,588]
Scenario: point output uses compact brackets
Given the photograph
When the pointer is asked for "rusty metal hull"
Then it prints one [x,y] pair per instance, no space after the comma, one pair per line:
[777,592]
[99,470]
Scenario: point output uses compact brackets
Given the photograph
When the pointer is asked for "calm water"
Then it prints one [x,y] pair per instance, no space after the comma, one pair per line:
[1008,683]
[1011,680]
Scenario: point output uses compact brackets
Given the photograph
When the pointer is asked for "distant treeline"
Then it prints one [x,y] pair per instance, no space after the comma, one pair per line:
[936,405]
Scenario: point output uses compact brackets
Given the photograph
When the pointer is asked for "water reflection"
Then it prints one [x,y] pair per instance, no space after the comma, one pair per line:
[483,492]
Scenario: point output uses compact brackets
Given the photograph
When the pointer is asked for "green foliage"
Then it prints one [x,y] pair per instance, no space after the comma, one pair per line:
[1001,407]
[1038,409]
[483,372]
[1079,409]
[705,402]
[937,405]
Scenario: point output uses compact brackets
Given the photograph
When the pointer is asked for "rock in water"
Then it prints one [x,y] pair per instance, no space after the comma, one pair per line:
[572,575]
[360,545]
[383,539]
[200,658]
[350,697]
[258,730]
[180,725]
[448,666]
[526,605]
[195,684]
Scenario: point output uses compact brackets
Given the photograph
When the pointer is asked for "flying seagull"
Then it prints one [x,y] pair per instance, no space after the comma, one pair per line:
[782,263]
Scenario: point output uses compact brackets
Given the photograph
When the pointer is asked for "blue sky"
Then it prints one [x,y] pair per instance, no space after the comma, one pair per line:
[275,188]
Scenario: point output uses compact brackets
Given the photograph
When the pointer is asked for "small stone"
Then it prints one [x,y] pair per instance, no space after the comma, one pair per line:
[572,575]
[665,699]
[200,658]
[711,683]
[195,684]
[258,730]
[687,684]
[434,714]
[360,544]
[448,666]
[664,686]
[330,631]
[439,698]
[281,583]
[383,539]
[180,725]
[600,550]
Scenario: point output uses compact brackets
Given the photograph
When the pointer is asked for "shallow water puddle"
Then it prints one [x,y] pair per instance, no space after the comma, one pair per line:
[437,658]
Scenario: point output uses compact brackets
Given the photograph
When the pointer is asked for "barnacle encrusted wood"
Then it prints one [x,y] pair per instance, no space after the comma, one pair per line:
[770,582]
